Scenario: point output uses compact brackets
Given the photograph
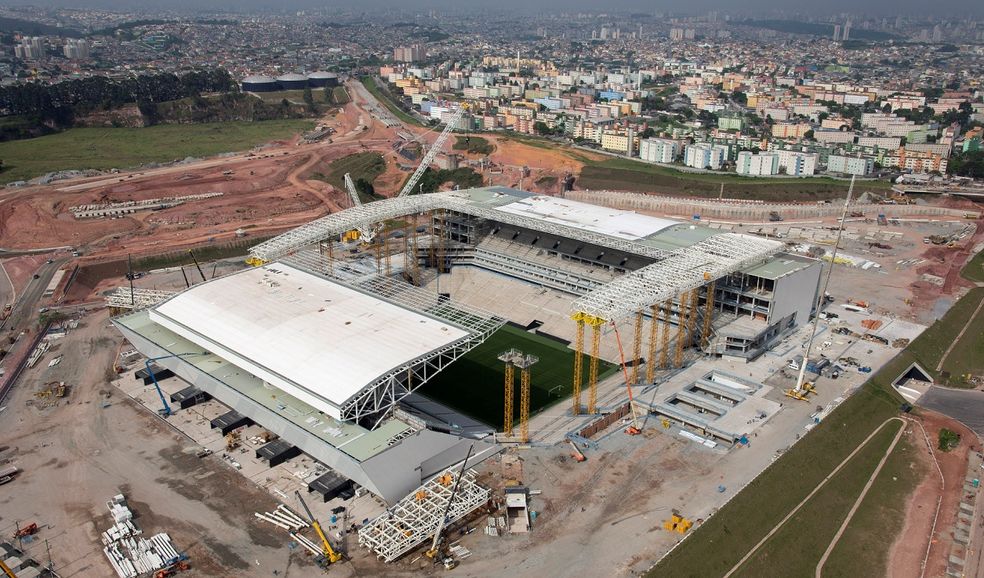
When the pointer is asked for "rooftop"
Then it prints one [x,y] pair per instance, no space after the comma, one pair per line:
[318,340]
[780,266]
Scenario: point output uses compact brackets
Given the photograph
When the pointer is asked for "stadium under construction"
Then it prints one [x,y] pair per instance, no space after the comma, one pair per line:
[329,339]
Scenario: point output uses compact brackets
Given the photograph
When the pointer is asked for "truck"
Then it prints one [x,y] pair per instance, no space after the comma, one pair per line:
[774,216]
[813,365]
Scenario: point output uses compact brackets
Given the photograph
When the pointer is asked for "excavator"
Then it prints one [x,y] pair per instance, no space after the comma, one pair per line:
[331,556]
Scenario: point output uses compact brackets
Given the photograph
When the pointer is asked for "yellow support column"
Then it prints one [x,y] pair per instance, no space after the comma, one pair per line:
[653,336]
[664,346]
[692,319]
[705,335]
[681,329]
[507,427]
[593,367]
[578,364]
[439,231]
[378,250]
[637,347]
[387,258]
[524,404]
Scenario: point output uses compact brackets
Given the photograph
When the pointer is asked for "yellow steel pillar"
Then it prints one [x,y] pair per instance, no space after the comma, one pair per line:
[507,427]
[578,364]
[326,256]
[681,329]
[593,366]
[378,250]
[524,403]
[692,318]
[653,336]
[637,346]
[439,231]
[705,335]
[664,346]
[387,258]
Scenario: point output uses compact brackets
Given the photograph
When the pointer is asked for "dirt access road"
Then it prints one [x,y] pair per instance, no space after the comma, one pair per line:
[76,455]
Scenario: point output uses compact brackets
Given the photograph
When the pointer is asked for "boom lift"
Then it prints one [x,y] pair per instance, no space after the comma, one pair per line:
[331,556]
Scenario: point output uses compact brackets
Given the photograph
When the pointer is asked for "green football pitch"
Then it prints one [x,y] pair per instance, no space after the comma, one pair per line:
[473,384]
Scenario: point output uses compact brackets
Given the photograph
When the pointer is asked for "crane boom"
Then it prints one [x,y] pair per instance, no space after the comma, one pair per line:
[330,554]
[432,153]
[353,193]
[444,518]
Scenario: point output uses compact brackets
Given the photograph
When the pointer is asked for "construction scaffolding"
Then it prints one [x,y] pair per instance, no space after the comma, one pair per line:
[122,298]
[637,347]
[578,364]
[416,518]
[507,357]
[684,270]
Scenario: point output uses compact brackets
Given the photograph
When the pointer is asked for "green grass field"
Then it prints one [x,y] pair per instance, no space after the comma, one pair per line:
[795,552]
[366,166]
[967,355]
[473,144]
[107,148]
[340,96]
[629,175]
[474,384]
[370,84]
[727,536]
[974,269]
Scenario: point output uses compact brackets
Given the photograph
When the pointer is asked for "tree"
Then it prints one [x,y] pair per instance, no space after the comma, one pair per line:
[808,135]
[648,133]
[968,164]
[541,128]
[948,439]
[739,97]
[887,109]
[309,99]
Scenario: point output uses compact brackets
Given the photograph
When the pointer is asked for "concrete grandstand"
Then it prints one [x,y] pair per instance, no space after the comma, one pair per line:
[327,340]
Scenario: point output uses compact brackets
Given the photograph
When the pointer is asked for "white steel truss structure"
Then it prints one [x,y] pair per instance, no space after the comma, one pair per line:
[432,153]
[141,298]
[368,214]
[416,518]
[684,270]
[674,272]
[386,390]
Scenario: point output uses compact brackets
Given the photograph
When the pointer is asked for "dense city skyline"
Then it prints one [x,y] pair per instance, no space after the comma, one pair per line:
[752,8]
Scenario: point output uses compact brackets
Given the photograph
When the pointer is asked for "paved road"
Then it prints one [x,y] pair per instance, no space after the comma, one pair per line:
[966,406]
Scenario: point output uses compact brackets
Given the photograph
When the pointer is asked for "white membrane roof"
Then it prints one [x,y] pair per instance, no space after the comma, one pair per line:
[319,341]
[617,223]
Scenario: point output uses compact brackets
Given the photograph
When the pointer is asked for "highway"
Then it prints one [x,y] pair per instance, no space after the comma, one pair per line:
[22,317]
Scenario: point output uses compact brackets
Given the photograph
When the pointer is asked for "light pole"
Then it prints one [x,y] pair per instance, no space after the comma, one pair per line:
[166,410]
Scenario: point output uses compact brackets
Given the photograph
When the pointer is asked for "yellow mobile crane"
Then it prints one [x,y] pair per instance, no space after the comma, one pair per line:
[331,556]
[438,544]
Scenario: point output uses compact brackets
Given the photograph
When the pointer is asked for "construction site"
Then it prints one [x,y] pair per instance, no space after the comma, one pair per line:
[491,380]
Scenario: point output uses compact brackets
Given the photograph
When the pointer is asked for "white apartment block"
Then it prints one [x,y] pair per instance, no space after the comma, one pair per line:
[658,150]
[704,156]
[757,165]
[850,165]
[797,163]
[883,142]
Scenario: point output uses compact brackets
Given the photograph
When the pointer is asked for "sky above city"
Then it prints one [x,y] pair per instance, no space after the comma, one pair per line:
[752,8]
